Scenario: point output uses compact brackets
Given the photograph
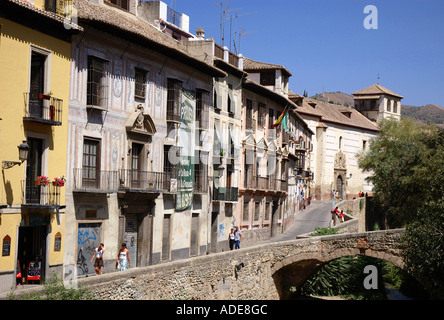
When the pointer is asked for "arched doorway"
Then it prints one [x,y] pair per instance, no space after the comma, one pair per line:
[340,186]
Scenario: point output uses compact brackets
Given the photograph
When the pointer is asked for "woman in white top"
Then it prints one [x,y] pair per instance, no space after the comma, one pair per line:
[98,254]
[123,258]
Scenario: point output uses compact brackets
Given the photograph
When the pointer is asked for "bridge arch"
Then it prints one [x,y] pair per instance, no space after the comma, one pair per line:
[294,270]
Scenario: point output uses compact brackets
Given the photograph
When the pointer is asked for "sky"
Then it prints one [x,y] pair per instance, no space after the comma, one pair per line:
[326,46]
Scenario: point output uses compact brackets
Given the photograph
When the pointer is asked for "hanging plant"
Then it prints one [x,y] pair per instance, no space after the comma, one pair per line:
[42,181]
[59,181]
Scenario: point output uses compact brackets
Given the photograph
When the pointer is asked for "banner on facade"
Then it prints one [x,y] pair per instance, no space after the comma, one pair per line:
[185,167]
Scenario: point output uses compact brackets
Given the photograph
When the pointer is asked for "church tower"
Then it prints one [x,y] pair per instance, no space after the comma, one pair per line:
[377,102]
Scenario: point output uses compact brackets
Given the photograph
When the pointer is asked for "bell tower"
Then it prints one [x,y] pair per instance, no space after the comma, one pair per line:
[377,102]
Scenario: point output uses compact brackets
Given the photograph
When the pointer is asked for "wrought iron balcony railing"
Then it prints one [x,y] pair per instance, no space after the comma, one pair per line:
[39,195]
[141,180]
[92,180]
[43,108]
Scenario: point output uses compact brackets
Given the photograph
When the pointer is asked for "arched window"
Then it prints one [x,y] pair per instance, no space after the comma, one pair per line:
[395,106]
[389,105]
[340,142]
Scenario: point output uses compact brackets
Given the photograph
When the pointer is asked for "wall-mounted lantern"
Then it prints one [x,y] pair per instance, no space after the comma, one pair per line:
[23,155]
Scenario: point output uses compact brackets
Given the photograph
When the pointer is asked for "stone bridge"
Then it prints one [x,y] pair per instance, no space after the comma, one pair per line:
[262,272]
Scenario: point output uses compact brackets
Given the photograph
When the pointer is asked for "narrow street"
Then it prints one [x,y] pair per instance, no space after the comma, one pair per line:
[317,214]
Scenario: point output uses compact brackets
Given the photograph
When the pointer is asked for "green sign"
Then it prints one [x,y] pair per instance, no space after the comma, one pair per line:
[185,167]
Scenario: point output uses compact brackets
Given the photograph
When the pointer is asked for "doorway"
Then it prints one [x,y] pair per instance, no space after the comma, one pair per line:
[340,187]
[213,239]
[32,253]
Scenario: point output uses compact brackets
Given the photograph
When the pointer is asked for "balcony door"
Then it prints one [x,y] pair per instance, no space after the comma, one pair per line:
[33,170]
[37,82]
[91,164]
[136,166]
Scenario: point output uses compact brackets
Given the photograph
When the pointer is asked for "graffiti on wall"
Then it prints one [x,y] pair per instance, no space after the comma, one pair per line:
[88,239]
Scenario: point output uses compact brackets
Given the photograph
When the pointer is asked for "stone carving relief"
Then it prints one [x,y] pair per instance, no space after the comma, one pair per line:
[340,160]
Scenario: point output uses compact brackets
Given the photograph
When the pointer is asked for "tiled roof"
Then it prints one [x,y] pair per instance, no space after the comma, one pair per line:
[127,25]
[51,15]
[328,112]
[253,65]
[376,89]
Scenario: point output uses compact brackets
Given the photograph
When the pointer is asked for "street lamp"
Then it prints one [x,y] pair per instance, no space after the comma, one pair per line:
[23,155]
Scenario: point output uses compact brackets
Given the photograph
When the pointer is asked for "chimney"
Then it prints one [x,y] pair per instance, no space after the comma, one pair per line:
[200,34]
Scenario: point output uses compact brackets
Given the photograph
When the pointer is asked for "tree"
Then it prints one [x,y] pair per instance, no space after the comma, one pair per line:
[407,161]
[392,157]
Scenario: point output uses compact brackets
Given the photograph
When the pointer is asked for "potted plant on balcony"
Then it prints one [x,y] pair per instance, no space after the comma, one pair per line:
[59,181]
[42,181]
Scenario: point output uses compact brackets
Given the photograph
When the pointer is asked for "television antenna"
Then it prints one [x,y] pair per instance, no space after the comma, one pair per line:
[222,22]
[242,35]
[230,17]
[235,27]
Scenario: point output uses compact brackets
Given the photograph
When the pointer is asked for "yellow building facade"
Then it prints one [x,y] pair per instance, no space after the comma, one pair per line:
[35,53]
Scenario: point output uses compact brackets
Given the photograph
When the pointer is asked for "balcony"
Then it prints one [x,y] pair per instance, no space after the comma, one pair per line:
[38,196]
[95,181]
[43,108]
[226,194]
[141,181]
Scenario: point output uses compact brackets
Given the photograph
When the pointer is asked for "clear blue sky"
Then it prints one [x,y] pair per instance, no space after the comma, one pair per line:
[324,44]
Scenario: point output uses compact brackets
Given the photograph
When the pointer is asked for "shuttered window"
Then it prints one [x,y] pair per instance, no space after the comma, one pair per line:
[194,242]
[166,229]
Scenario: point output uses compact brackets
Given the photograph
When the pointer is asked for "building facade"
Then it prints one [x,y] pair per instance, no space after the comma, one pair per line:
[341,134]
[266,202]
[135,175]
[35,53]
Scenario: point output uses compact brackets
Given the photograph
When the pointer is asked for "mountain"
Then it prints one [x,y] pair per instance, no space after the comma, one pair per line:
[429,114]
[335,98]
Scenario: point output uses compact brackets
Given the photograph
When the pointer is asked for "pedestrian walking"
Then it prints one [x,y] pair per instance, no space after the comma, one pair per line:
[123,258]
[231,239]
[334,215]
[237,238]
[98,255]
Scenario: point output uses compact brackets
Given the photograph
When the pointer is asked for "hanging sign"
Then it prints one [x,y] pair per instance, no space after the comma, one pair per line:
[185,167]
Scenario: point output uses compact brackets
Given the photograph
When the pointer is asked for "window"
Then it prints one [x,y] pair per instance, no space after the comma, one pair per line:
[91,164]
[33,169]
[37,85]
[249,115]
[268,78]
[173,100]
[395,106]
[140,84]
[51,5]
[202,109]
[230,100]
[170,160]
[267,211]
[121,3]
[194,240]
[261,114]
[97,90]
[389,105]
[257,208]
[364,144]
[340,143]
[246,213]
[166,237]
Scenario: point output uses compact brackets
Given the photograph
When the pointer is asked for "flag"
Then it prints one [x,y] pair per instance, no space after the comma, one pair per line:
[283,118]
